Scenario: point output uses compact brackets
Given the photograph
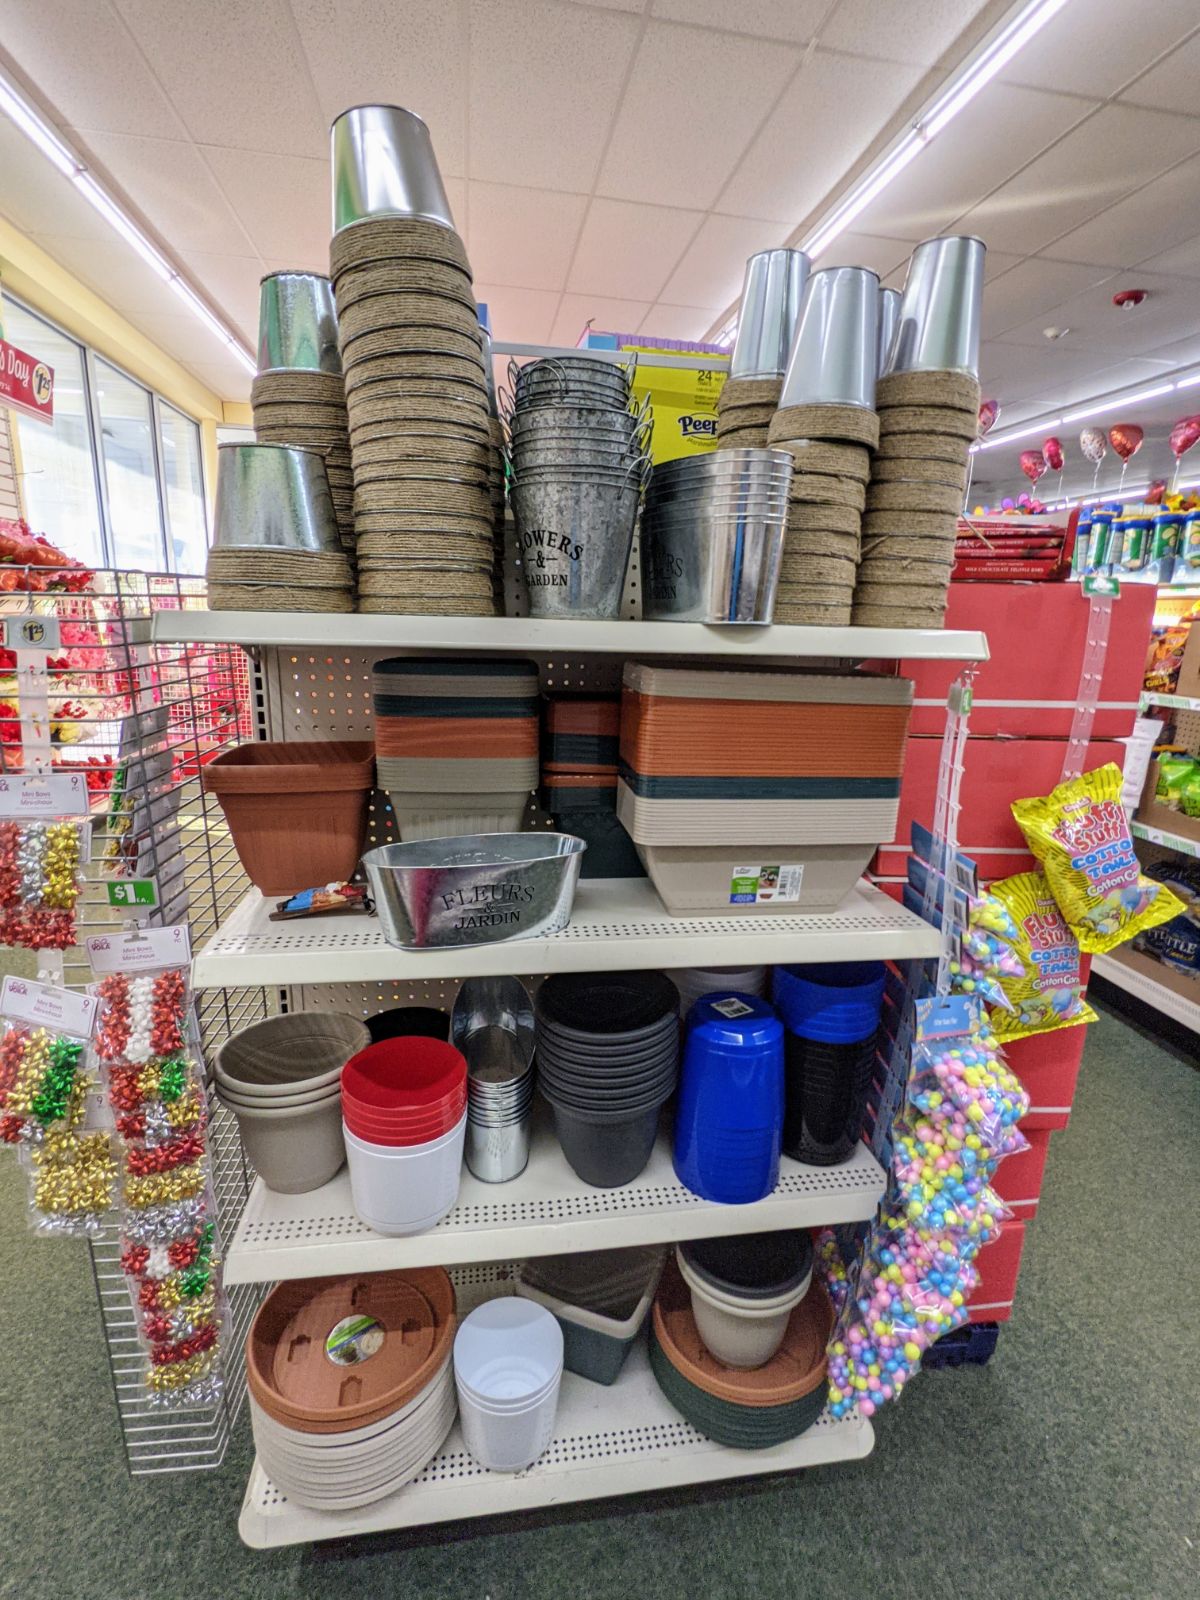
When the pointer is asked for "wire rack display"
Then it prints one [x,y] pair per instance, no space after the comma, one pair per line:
[142,721]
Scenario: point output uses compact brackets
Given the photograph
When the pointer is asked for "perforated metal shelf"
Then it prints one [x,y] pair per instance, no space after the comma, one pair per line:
[607,1441]
[548,1210]
[616,923]
[534,635]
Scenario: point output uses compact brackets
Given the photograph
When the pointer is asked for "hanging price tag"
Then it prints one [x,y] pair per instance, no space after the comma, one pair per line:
[44,796]
[31,633]
[141,951]
[131,894]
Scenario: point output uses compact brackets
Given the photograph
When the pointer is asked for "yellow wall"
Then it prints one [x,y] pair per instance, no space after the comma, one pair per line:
[38,280]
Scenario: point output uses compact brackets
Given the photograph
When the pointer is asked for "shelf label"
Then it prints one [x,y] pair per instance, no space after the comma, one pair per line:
[130,893]
[31,633]
[142,951]
[44,795]
[1101,583]
[62,1009]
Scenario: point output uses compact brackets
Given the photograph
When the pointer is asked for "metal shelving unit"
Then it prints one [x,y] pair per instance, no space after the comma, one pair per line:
[1174,702]
[548,1210]
[1169,841]
[1139,975]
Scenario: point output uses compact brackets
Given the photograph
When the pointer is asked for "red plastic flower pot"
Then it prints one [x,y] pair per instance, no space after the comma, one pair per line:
[403,1074]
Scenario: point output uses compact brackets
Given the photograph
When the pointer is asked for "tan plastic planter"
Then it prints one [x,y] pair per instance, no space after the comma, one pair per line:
[297,812]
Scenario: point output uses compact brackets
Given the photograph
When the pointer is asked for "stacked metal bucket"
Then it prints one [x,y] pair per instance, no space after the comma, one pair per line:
[770,306]
[493,1025]
[712,536]
[928,398]
[579,454]
[412,353]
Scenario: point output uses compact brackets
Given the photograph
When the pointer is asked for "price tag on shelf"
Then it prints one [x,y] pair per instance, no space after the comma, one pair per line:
[129,894]
[44,796]
[1170,841]
[31,633]
[142,951]
[62,1009]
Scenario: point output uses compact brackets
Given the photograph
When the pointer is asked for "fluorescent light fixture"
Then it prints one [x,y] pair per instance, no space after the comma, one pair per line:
[962,88]
[1119,402]
[34,126]
[1117,494]
[990,443]
[1189,383]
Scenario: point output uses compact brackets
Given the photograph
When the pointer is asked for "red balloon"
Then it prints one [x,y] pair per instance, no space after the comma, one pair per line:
[1184,435]
[1155,492]
[1126,439]
[989,411]
[1053,452]
[1033,465]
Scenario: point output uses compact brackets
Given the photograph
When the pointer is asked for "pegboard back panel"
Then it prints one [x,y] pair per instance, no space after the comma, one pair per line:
[516,595]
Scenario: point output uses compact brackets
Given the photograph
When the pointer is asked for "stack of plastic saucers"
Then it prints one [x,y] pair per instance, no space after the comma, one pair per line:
[456,744]
[333,1444]
[508,1365]
[608,1057]
[404,1116]
[695,983]
[746,1410]
[729,1125]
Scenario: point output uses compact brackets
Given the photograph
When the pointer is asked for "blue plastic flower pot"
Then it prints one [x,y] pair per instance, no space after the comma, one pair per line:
[729,1126]
[837,1004]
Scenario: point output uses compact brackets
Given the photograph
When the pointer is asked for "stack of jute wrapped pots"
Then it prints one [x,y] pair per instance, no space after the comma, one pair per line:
[276,545]
[928,401]
[298,397]
[421,441]
[767,316]
[827,421]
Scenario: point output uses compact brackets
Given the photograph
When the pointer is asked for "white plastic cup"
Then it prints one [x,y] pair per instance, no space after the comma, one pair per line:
[403,1189]
[508,1441]
[508,1357]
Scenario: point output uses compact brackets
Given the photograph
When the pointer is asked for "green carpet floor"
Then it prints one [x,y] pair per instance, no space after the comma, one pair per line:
[1067,1469]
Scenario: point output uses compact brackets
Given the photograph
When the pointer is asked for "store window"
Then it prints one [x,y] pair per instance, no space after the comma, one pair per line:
[117,480]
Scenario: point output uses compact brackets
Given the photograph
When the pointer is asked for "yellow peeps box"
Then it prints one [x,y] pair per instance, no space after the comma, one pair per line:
[684,401]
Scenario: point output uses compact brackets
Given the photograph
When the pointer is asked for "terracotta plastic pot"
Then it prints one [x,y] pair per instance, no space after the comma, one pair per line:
[297,812]
[291,1368]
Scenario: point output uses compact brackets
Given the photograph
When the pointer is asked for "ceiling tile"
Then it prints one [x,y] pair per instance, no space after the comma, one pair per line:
[546,80]
[1171,84]
[110,269]
[1172,310]
[235,72]
[224,377]
[711,273]
[797,21]
[101,82]
[519,315]
[1179,352]
[1033,289]
[35,197]
[692,104]
[605,316]
[1112,154]
[677,322]
[1183,261]
[834,105]
[231,283]
[1159,215]
[1013,374]
[283,201]
[186,338]
[630,251]
[883,256]
[176,193]
[637,6]
[970,158]
[896,30]
[416,57]
[523,236]
[1095,53]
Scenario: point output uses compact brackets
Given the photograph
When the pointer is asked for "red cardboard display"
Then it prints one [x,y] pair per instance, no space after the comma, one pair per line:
[998,1263]
[1018,1179]
[1036,639]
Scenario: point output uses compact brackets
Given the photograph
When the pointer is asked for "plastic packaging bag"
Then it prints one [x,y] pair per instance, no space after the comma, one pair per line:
[41,879]
[1080,834]
[1050,994]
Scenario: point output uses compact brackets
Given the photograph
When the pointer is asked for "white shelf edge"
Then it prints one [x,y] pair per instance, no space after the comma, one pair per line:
[548,1210]
[1117,971]
[1178,702]
[249,950]
[527,635]
[1169,841]
[626,1439]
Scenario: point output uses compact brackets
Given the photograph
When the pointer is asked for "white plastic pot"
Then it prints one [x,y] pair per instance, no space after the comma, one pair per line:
[743,1334]
[403,1189]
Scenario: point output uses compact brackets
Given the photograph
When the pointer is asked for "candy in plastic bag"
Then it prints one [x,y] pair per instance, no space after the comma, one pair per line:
[1080,834]
[1050,994]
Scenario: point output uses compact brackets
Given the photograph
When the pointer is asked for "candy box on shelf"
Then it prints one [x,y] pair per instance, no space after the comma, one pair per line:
[995,773]
[998,1264]
[1036,638]
[1188,681]
[1155,814]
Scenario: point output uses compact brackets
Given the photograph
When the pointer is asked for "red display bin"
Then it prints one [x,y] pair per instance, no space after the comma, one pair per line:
[1036,635]
[998,1263]
[1048,1066]
[1018,1179]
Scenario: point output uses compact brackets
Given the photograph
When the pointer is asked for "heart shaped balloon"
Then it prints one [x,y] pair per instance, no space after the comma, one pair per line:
[1053,452]
[1126,439]
[989,411]
[1033,465]
[1184,435]
[1093,444]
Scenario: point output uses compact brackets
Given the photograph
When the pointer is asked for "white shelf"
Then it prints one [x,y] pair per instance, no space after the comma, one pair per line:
[548,1210]
[607,1441]
[1135,974]
[530,635]
[1177,702]
[617,923]
[1171,841]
